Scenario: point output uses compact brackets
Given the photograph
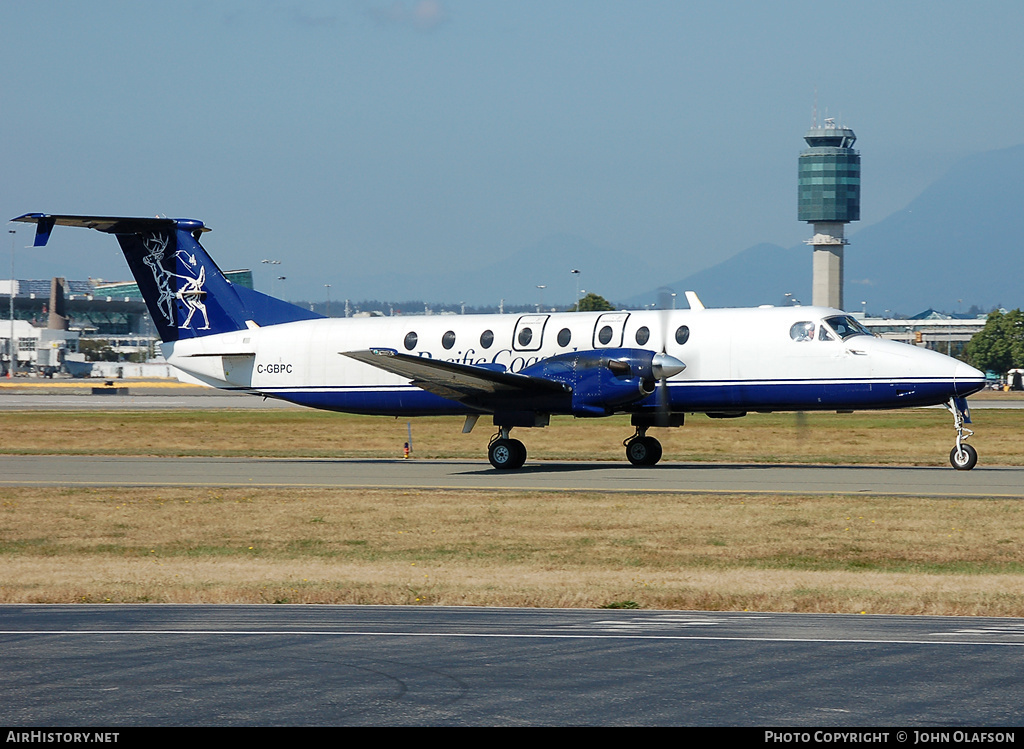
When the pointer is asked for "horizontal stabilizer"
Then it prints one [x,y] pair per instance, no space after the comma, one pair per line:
[249,354]
[107,224]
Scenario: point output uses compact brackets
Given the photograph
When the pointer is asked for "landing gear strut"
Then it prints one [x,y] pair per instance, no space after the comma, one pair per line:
[506,454]
[963,457]
[642,450]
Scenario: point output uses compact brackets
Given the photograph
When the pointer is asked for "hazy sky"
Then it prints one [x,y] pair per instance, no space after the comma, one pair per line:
[350,137]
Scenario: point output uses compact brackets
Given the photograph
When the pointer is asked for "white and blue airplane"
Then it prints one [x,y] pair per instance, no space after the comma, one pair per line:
[521,369]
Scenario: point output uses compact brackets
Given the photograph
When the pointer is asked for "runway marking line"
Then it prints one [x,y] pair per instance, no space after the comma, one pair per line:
[488,635]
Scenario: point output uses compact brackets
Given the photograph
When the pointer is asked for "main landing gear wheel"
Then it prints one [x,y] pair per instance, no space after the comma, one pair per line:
[506,454]
[643,451]
[963,459]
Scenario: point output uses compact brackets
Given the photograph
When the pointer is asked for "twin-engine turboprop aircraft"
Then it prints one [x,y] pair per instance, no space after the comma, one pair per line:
[521,369]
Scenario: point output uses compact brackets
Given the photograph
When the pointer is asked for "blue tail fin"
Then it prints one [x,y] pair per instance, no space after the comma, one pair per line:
[187,294]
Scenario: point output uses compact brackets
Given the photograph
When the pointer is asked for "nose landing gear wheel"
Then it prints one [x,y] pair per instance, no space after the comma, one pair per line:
[506,454]
[963,459]
[643,451]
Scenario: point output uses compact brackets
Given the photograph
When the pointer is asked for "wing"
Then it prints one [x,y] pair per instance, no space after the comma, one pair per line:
[466,383]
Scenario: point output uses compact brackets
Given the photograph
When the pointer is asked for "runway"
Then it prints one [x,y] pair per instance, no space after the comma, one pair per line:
[157,665]
[52,470]
[170,400]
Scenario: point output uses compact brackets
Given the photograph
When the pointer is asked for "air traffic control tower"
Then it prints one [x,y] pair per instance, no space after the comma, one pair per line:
[829,198]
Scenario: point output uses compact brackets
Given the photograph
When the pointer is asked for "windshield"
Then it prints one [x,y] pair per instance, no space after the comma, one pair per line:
[845,326]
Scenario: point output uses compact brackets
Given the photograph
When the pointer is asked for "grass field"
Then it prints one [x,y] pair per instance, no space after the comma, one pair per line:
[911,437]
[587,549]
[841,554]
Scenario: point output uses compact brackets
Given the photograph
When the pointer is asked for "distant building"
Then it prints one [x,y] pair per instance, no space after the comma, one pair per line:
[934,330]
[95,309]
[35,348]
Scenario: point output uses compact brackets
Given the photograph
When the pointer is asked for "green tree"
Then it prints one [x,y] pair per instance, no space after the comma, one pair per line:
[592,303]
[97,349]
[999,346]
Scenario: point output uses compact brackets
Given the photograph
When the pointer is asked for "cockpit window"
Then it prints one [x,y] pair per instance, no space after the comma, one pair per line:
[823,334]
[845,326]
[802,331]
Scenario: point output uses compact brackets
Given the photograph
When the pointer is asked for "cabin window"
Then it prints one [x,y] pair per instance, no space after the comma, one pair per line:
[448,339]
[643,335]
[410,341]
[682,334]
[529,332]
[564,336]
[487,338]
[605,334]
[802,331]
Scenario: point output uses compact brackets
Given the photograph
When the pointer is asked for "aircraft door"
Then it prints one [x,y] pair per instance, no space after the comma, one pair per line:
[529,334]
[609,329]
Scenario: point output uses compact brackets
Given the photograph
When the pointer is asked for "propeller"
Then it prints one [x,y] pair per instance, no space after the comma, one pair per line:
[663,366]
[800,424]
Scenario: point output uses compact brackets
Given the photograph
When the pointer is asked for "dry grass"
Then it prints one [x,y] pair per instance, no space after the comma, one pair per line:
[881,555]
[912,437]
[843,554]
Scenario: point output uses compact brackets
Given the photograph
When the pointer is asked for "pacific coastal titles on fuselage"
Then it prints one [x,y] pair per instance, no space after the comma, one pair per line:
[529,340]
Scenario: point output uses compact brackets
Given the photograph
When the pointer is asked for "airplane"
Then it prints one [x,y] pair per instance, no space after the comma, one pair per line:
[519,370]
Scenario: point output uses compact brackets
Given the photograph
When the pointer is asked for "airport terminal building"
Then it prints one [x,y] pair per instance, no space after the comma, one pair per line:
[52,316]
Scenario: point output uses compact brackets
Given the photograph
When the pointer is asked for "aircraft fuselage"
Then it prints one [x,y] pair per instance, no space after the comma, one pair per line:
[736,359]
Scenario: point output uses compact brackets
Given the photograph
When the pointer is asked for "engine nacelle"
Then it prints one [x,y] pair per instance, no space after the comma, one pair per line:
[605,380]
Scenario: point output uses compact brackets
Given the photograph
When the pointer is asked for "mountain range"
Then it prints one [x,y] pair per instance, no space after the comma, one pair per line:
[952,247]
[516,277]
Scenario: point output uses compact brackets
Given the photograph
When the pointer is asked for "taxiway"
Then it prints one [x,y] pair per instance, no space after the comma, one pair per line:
[63,470]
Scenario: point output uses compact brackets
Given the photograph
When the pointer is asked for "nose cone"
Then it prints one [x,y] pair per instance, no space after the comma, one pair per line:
[664,366]
[967,379]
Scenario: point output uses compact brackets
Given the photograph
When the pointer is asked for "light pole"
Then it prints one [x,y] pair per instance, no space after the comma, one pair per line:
[271,262]
[328,287]
[12,349]
[541,305]
[576,272]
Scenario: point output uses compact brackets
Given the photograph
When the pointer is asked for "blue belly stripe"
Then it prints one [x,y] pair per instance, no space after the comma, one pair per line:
[693,396]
